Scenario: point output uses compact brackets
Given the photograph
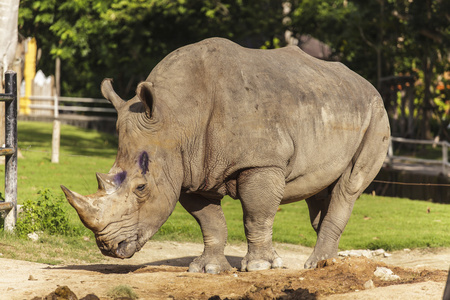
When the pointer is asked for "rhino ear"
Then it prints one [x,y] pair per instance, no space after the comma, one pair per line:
[145,94]
[109,93]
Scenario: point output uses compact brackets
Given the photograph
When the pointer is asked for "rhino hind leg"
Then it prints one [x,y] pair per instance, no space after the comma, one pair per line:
[318,206]
[209,215]
[260,191]
[354,180]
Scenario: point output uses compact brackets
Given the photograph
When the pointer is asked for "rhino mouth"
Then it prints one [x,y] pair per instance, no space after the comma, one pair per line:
[125,249]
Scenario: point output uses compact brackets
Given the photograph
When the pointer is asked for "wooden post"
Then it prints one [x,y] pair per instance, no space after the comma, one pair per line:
[56,135]
[444,157]
[56,141]
[391,153]
[11,159]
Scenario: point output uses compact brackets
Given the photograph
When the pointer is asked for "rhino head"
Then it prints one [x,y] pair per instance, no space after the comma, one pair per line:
[139,193]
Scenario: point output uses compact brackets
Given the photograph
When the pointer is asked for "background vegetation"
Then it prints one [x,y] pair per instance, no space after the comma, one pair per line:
[124,39]
[376,222]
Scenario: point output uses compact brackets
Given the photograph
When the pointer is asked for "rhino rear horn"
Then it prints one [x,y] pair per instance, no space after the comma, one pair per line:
[109,93]
[106,183]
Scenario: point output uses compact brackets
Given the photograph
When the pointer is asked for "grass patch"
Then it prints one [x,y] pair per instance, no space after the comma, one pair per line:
[51,249]
[122,292]
[376,222]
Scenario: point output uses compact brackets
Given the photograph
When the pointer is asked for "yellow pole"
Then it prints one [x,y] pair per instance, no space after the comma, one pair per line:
[29,73]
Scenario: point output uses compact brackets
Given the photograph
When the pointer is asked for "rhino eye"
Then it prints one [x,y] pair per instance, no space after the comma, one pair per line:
[140,187]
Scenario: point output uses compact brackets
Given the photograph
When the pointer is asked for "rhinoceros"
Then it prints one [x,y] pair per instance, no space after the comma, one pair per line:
[267,127]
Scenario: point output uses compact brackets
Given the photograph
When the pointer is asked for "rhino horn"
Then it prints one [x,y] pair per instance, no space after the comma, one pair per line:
[109,93]
[106,183]
[83,206]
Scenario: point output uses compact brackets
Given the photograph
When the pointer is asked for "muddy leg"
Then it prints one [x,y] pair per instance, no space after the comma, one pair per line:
[260,191]
[211,219]
[357,176]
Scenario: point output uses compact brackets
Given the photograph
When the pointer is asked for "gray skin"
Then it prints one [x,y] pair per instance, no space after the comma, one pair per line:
[267,127]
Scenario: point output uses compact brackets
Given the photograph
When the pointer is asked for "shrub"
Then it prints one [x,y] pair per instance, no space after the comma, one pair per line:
[45,213]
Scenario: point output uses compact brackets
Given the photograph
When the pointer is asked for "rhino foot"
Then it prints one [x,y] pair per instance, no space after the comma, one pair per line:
[312,261]
[208,264]
[260,264]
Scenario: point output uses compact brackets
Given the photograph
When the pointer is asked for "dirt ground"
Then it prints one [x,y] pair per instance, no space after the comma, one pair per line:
[159,271]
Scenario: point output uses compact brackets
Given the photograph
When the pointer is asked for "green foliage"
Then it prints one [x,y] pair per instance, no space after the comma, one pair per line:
[384,38]
[122,292]
[45,213]
[125,39]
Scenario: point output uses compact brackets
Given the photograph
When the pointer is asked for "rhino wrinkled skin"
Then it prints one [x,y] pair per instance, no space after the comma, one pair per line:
[267,127]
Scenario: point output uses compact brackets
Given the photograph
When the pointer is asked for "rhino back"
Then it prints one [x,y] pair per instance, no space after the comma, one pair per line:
[243,108]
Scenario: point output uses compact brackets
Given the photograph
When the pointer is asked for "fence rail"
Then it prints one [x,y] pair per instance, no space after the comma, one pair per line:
[72,107]
[10,150]
[443,162]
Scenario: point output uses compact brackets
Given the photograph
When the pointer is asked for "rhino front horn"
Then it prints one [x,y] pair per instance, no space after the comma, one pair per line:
[86,211]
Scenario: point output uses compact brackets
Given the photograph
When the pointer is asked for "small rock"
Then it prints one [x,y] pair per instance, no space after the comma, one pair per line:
[385,274]
[326,262]
[356,253]
[407,250]
[31,278]
[378,252]
[33,236]
[90,297]
[63,293]
[369,285]
[385,254]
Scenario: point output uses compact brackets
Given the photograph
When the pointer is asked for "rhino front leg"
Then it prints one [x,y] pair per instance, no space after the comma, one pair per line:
[260,191]
[211,219]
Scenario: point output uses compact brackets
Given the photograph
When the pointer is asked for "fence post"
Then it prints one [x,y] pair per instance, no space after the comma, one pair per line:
[391,152]
[10,150]
[56,133]
[444,157]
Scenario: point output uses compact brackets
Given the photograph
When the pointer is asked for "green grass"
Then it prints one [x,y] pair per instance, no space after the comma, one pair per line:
[376,222]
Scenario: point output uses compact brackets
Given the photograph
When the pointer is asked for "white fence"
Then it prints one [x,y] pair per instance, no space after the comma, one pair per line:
[443,162]
[74,105]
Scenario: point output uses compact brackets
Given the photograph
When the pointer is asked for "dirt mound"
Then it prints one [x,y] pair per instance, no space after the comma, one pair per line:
[159,271]
[333,276]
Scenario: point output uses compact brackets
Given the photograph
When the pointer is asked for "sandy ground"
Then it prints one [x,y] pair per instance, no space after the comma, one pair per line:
[159,271]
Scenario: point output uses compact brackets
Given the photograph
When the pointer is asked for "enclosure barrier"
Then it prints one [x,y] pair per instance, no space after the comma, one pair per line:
[9,205]
[74,104]
[444,162]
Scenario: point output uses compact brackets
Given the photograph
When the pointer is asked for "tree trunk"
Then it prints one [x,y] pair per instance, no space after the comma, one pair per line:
[427,98]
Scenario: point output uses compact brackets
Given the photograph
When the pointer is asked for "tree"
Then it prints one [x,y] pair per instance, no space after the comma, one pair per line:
[125,39]
[380,38]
